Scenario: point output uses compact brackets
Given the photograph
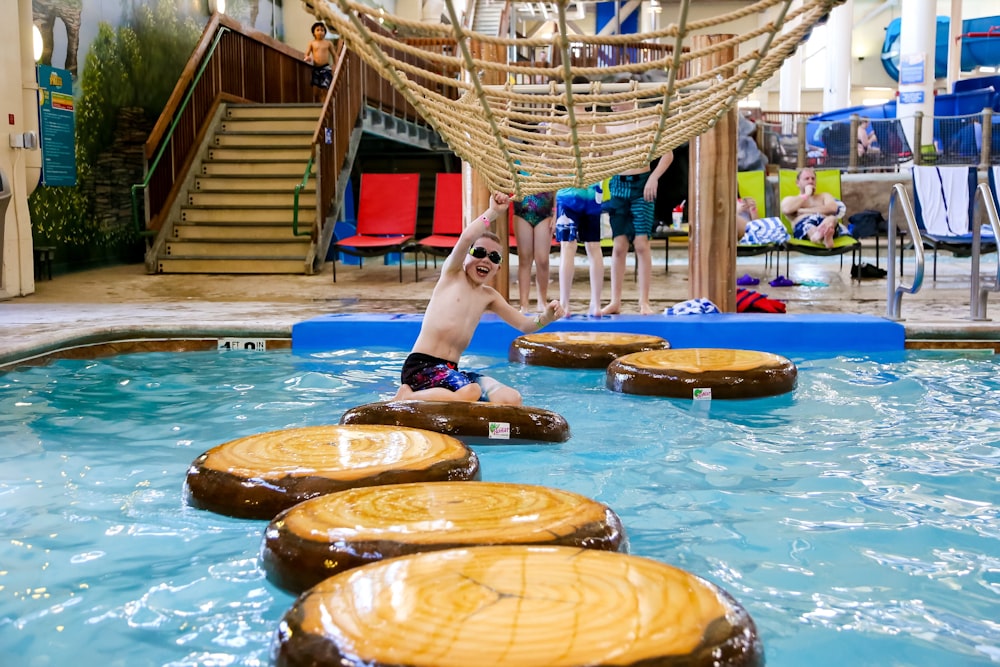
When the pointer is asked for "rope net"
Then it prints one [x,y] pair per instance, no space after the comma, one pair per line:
[574,125]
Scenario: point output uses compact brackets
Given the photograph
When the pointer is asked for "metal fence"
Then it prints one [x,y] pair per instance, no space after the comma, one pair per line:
[860,144]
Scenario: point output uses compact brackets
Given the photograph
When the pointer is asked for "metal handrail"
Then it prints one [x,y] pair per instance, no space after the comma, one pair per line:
[295,204]
[166,139]
[978,293]
[894,293]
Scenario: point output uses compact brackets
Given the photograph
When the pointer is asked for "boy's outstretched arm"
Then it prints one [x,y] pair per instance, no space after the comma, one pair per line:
[498,207]
[525,323]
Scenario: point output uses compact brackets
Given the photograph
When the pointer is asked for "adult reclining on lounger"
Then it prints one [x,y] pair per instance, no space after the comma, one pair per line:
[814,215]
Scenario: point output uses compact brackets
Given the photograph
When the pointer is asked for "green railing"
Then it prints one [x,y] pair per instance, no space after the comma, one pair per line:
[136,188]
[295,205]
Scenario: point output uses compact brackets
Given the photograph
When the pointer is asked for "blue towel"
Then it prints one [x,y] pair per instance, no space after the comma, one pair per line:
[693,307]
[764,230]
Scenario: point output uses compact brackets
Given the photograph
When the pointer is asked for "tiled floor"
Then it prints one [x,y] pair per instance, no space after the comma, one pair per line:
[124,302]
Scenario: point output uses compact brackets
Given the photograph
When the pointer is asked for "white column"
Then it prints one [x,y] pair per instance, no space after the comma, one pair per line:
[916,66]
[790,92]
[837,92]
[790,77]
[955,45]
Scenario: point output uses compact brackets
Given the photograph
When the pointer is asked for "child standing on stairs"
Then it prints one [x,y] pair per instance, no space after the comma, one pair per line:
[318,54]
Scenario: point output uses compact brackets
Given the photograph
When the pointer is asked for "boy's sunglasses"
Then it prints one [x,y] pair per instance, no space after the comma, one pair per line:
[479,252]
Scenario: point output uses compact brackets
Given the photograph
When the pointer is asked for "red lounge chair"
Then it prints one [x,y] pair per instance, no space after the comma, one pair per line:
[387,217]
[447,225]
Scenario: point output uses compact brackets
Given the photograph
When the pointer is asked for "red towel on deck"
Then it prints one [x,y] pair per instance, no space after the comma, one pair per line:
[748,300]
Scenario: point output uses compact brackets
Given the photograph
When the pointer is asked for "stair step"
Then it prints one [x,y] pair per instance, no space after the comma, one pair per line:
[259,265]
[242,167]
[272,111]
[262,153]
[282,184]
[239,215]
[290,249]
[237,232]
[268,124]
[266,139]
[246,199]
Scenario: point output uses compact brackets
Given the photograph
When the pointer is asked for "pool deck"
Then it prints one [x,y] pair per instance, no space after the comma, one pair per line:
[124,303]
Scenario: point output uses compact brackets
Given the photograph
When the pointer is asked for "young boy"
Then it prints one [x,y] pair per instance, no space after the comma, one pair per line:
[631,208]
[461,296]
[318,54]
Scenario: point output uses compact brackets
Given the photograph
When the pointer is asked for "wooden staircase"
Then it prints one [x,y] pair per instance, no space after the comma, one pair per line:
[236,213]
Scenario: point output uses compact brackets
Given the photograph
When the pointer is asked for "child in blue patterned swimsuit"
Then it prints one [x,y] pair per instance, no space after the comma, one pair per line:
[460,298]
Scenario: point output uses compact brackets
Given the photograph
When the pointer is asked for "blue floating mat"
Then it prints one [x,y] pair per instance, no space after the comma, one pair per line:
[787,335]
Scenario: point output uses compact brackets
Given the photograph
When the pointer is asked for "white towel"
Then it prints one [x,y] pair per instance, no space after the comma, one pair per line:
[943,193]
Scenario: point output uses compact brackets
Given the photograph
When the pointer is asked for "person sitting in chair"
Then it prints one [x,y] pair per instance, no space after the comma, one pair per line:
[754,230]
[814,215]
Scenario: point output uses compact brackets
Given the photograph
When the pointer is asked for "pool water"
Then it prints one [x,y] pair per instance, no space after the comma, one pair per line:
[856,519]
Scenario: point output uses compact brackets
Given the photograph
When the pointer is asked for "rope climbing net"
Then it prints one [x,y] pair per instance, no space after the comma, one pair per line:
[573,124]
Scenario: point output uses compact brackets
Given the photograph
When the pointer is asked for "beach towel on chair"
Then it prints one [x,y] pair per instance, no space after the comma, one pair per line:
[943,195]
[764,230]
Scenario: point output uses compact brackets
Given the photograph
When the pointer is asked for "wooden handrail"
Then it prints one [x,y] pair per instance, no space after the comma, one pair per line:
[236,64]
[186,77]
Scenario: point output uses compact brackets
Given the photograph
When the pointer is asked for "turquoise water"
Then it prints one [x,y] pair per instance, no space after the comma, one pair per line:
[856,519]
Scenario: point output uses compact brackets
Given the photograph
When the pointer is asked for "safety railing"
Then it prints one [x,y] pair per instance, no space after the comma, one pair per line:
[229,64]
[860,144]
[979,293]
[331,138]
[898,201]
[152,168]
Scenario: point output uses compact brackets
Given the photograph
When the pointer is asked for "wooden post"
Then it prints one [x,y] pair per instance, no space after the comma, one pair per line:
[480,192]
[712,196]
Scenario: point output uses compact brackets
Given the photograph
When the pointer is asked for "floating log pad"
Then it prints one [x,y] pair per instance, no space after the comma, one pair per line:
[689,372]
[580,349]
[327,535]
[520,606]
[478,423]
[259,476]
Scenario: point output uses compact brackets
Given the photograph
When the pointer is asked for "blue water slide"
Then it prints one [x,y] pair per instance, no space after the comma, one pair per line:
[980,45]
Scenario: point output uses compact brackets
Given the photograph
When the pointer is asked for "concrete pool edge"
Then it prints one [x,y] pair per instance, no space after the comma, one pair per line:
[917,335]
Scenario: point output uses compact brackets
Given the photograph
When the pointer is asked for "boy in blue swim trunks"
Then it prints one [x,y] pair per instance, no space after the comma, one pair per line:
[632,208]
[318,55]
[461,296]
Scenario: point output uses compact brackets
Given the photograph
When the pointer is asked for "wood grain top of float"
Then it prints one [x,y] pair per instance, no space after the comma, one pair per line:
[512,605]
[350,452]
[591,338]
[703,360]
[445,513]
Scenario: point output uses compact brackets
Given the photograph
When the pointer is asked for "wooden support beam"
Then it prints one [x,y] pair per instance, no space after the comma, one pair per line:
[712,196]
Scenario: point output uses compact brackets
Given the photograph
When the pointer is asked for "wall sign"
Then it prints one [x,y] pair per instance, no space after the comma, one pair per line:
[57,123]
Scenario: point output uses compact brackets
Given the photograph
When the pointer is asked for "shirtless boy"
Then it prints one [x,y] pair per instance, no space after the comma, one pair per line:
[631,208]
[813,214]
[318,54]
[460,298]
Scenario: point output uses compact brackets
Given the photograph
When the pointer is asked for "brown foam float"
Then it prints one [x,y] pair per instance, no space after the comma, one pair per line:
[517,605]
[473,423]
[258,476]
[327,535]
[702,373]
[580,349]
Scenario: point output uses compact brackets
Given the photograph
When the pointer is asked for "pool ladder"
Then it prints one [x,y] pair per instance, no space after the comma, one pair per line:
[978,292]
